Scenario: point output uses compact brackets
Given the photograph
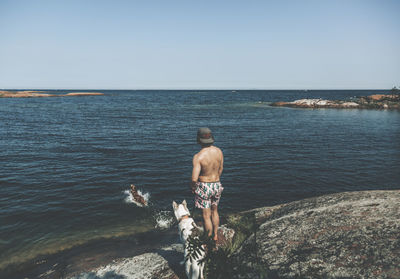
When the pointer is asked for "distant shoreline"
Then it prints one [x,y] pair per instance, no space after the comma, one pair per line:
[41,94]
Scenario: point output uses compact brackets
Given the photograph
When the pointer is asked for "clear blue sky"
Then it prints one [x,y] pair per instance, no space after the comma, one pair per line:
[200,44]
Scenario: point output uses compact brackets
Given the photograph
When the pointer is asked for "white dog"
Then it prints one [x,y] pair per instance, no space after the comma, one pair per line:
[194,269]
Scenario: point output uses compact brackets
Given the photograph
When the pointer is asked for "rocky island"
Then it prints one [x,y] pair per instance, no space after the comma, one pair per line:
[36,94]
[377,101]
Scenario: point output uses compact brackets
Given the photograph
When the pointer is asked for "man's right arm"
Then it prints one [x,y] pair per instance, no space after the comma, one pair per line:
[195,172]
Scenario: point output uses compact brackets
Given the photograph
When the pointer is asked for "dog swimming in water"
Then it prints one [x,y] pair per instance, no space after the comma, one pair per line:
[186,225]
[137,197]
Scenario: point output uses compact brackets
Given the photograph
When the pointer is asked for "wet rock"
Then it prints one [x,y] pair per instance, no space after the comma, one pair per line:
[349,105]
[345,235]
[378,101]
[163,264]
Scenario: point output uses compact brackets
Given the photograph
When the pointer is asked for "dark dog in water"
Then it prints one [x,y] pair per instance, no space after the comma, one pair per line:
[137,197]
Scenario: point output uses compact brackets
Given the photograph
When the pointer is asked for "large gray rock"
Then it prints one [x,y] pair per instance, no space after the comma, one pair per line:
[345,235]
[157,265]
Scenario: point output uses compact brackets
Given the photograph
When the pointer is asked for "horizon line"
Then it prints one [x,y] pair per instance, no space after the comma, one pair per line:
[193,88]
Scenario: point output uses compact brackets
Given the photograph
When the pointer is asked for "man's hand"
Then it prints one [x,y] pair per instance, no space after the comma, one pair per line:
[193,185]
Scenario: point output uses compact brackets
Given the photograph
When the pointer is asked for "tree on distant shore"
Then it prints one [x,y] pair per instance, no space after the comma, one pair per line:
[395,90]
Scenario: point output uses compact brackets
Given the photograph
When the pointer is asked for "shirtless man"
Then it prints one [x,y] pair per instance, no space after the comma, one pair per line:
[207,169]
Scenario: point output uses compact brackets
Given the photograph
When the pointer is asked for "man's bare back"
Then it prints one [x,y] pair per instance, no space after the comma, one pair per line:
[208,164]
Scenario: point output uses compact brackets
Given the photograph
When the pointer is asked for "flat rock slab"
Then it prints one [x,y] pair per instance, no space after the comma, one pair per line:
[163,264]
[345,235]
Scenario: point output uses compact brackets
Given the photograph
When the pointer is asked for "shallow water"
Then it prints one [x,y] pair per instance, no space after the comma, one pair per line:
[67,162]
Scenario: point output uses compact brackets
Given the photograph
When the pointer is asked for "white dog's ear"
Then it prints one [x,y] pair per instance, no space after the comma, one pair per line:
[174,205]
[184,203]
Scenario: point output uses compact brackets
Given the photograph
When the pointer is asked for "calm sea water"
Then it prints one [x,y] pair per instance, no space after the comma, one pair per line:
[66,163]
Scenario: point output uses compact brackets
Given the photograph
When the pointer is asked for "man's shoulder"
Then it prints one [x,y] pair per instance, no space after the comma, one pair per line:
[217,149]
[196,156]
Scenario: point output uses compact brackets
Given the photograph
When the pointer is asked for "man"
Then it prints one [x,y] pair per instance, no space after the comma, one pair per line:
[206,185]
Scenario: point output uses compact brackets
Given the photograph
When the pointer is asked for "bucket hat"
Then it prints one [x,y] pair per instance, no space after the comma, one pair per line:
[204,135]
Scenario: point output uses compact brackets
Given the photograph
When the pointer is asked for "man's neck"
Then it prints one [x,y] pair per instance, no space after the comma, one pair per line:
[204,147]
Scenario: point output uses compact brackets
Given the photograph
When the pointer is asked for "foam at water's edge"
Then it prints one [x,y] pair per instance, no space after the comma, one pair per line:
[129,198]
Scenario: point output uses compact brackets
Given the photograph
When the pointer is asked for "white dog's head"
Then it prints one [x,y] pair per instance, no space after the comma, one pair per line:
[180,210]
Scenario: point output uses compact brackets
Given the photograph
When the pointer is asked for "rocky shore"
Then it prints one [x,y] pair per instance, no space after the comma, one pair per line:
[378,101]
[163,263]
[343,235]
[36,94]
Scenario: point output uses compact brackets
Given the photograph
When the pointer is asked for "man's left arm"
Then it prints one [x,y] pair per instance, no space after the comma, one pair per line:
[195,173]
[221,166]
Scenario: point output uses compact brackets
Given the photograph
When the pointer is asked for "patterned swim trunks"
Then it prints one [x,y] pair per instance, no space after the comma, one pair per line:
[207,194]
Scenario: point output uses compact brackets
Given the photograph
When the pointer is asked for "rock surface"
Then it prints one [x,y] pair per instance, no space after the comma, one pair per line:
[345,235]
[164,263]
[378,101]
[23,94]
[35,94]
[84,94]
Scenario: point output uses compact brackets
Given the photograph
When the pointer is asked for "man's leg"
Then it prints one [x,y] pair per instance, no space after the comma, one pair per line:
[207,221]
[215,220]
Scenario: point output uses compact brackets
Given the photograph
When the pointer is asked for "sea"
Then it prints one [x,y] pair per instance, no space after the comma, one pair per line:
[66,163]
